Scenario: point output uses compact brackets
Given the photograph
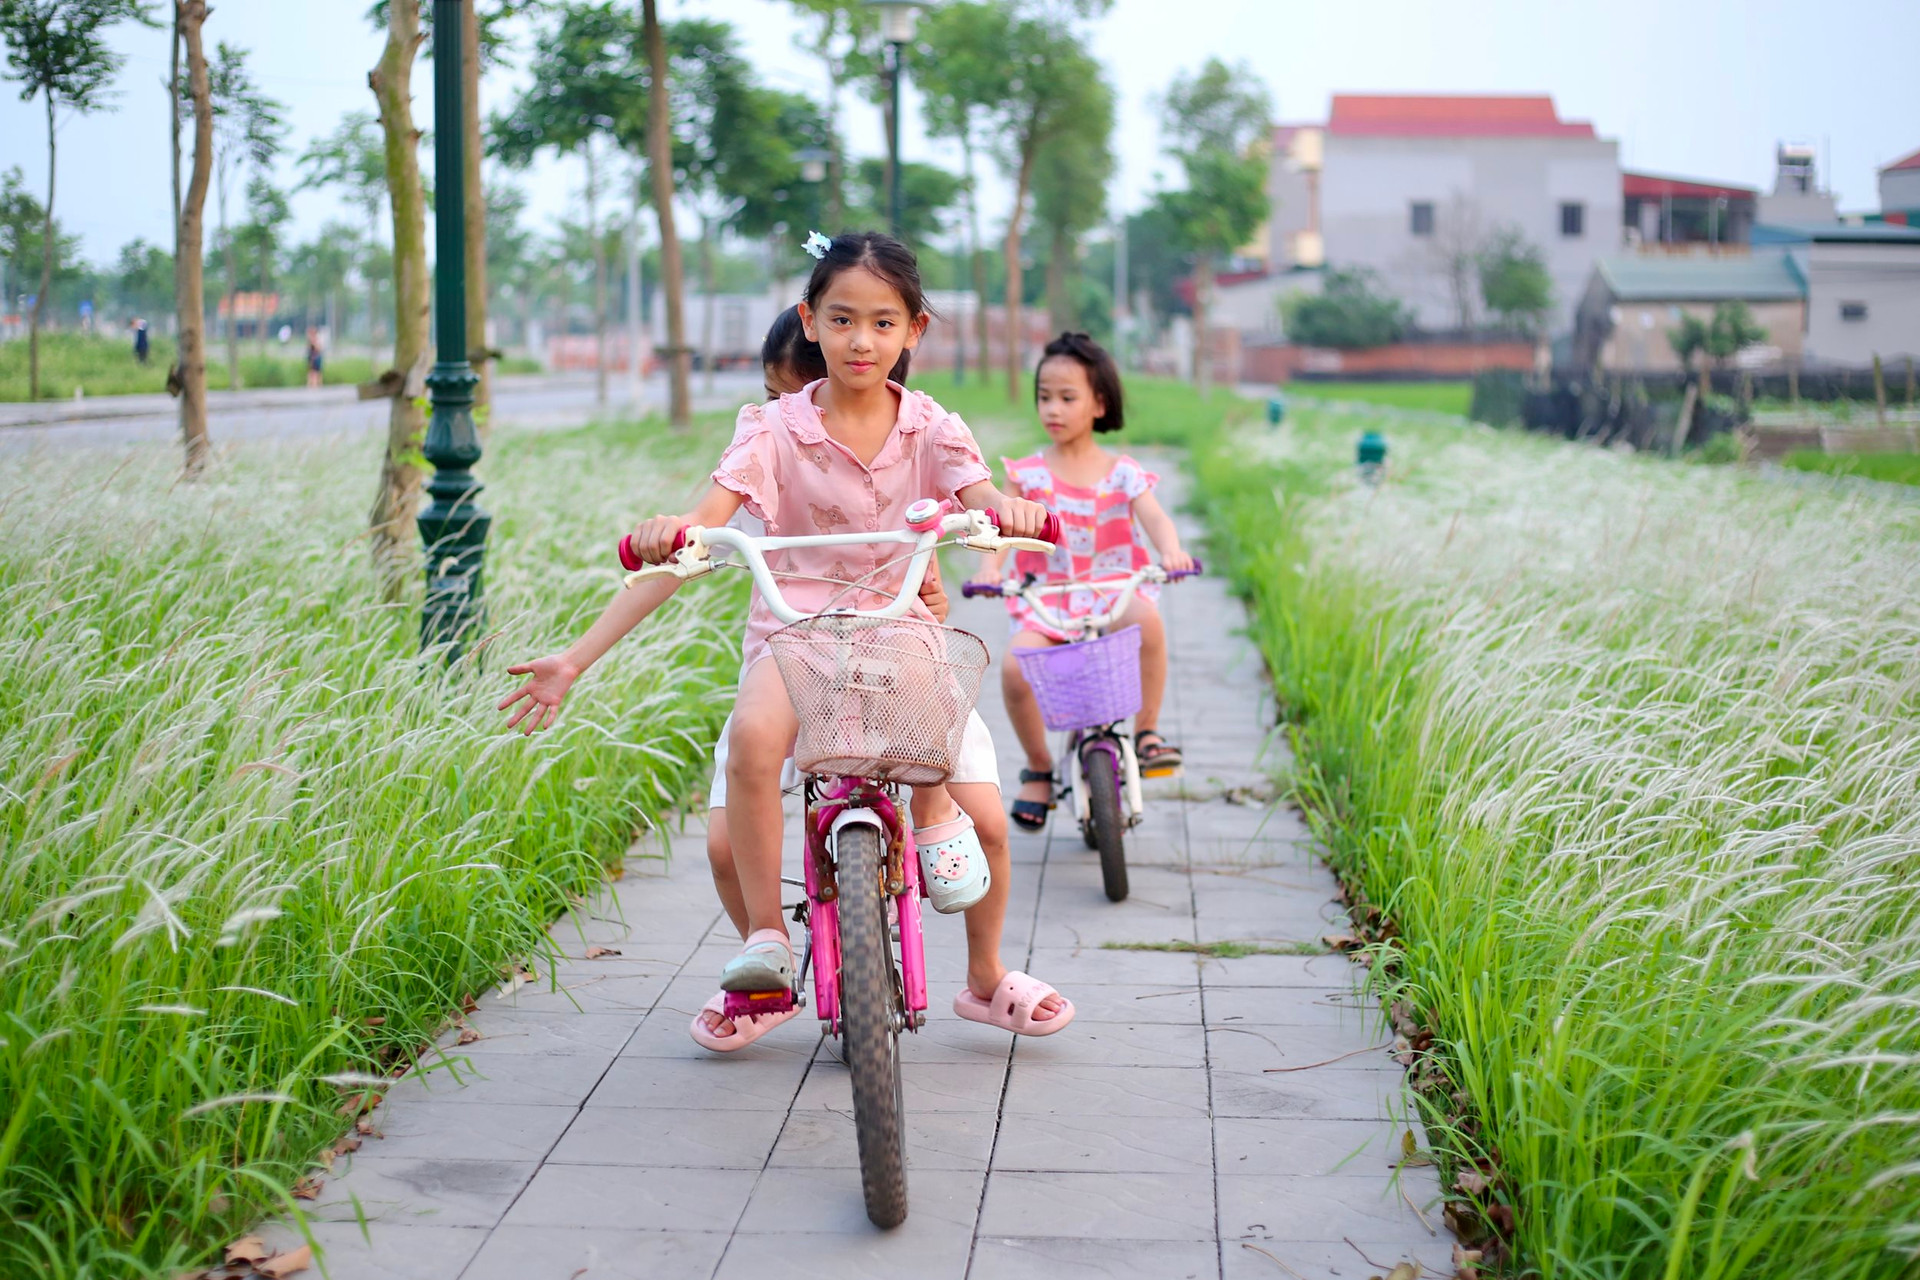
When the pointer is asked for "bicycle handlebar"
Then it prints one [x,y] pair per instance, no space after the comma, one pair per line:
[977,530]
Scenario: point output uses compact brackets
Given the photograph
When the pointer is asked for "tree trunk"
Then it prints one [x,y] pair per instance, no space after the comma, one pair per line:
[706,289]
[1059,308]
[47,250]
[475,209]
[1014,283]
[1202,309]
[391,521]
[660,162]
[599,279]
[189,284]
[636,370]
[373,285]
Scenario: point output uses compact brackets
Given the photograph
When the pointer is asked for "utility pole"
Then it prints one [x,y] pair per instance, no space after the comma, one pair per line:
[453,526]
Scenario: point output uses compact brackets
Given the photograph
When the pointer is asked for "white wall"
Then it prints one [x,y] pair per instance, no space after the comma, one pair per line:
[1886,277]
[1475,186]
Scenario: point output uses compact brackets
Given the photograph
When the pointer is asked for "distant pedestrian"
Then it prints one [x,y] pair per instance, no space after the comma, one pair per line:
[313,356]
[140,348]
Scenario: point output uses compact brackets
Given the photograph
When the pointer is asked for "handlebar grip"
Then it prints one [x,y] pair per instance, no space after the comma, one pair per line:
[972,589]
[1194,572]
[1052,531]
[630,559]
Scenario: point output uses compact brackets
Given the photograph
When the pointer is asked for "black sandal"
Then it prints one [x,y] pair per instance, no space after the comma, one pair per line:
[1031,815]
[1157,757]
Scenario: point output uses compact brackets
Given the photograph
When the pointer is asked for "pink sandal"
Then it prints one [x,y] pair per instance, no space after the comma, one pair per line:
[746,1029]
[1012,1007]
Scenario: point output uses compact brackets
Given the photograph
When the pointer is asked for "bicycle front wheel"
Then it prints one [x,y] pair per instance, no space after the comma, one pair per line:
[1106,829]
[872,1015]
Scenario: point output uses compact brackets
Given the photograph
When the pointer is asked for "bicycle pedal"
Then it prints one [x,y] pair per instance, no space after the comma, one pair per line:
[746,1004]
[1167,771]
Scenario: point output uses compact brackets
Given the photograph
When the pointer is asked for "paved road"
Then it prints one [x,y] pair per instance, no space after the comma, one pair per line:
[1150,1139]
[522,400]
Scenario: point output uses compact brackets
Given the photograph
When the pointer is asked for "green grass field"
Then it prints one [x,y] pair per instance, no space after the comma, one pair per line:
[256,851]
[1891,468]
[1440,397]
[103,366]
[1630,753]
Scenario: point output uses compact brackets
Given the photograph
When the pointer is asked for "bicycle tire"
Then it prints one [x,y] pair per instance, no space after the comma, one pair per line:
[1099,765]
[871,1014]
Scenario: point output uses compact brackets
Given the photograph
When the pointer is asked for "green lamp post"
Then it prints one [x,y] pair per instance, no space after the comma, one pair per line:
[896,28]
[453,526]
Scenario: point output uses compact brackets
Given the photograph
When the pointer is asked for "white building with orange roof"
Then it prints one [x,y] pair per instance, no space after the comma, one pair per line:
[1411,187]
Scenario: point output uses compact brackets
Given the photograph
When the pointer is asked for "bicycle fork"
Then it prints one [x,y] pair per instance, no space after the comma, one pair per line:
[1116,750]
[850,804]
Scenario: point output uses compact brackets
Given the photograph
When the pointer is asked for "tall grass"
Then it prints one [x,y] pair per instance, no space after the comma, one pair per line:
[1631,752]
[1436,397]
[254,844]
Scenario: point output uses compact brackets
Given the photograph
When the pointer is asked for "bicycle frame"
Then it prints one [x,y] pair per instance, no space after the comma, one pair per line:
[834,804]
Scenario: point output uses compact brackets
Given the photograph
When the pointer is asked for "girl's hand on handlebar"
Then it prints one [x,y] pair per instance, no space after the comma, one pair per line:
[653,539]
[551,676]
[1177,562]
[1020,518]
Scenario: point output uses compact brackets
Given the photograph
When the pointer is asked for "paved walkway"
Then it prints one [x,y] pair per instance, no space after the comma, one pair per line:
[1151,1139]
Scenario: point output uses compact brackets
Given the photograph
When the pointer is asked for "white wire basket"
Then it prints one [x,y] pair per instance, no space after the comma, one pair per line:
[884,698]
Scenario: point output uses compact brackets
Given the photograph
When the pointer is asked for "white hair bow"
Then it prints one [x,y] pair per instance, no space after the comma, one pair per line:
[817,245]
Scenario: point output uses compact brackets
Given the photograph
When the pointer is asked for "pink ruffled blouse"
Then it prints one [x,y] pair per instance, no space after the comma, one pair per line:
[801,481]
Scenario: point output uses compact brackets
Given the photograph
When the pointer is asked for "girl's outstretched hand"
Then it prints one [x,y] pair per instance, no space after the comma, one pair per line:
[552,676]
[1176,561]
[653,539]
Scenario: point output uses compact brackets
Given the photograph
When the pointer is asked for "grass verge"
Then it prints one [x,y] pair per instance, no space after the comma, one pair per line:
[1630,755]
[256,847]
[1890,468]
[1438,397]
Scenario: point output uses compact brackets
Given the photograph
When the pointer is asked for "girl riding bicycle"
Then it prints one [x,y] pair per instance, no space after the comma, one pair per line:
[1104,499]
[842,453]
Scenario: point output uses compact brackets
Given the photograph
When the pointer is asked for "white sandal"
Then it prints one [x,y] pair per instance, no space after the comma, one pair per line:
[952,864]
[765,963]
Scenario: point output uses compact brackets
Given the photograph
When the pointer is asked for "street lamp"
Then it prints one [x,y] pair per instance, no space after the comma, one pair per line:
[453,527]
[897,19]
[813,163]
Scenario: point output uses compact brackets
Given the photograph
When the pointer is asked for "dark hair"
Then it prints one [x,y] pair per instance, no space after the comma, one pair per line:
[1103,375]
[886,258]
[788,347]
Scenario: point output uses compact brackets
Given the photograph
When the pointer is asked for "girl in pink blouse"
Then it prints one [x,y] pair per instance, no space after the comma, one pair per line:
[846,453]
[1103,499]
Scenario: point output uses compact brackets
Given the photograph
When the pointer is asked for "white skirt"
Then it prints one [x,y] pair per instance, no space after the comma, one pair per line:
[977,762]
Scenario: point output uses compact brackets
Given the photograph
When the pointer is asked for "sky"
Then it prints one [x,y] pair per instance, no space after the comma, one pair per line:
[1702,88]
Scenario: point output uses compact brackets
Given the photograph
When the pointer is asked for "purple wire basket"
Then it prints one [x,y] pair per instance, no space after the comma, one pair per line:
[1084,685]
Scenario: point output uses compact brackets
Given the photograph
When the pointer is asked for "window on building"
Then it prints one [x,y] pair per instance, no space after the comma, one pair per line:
[1423,217]
[1853,311]
[1573,219]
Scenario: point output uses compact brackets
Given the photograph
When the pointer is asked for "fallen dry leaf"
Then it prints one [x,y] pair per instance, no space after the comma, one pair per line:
[594,953]
[285,1264]
[468,1035]
[1466,1263]
[1404,1271]
[346,1146]
[468,1004]
[247,1249]
[307,1188]
[1340,941]
[616,873]
[1501,1216]
[377,1020]
[358,1103]
[1472,1182]
[363,1127]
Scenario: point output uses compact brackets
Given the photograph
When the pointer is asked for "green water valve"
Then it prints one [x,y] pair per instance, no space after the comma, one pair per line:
[1370,455]
[1276,411]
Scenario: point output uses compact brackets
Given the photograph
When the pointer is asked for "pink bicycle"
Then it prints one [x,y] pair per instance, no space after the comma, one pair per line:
[882,701]
[1088,687]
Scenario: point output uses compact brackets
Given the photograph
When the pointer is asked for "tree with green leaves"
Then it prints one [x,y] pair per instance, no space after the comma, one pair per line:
[1052,82]
[1711,343]
[142,278]
[845,36]
[353,158]
[1351,311]
[1514,282]
[927,194]
[585,88]
[961,87]
[317,273]
[248,128]
[23,229]
[57,50]
[1069,197]
[1216,124]
[257,244]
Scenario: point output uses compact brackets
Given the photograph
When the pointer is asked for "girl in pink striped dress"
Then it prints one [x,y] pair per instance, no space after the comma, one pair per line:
[1105,500]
